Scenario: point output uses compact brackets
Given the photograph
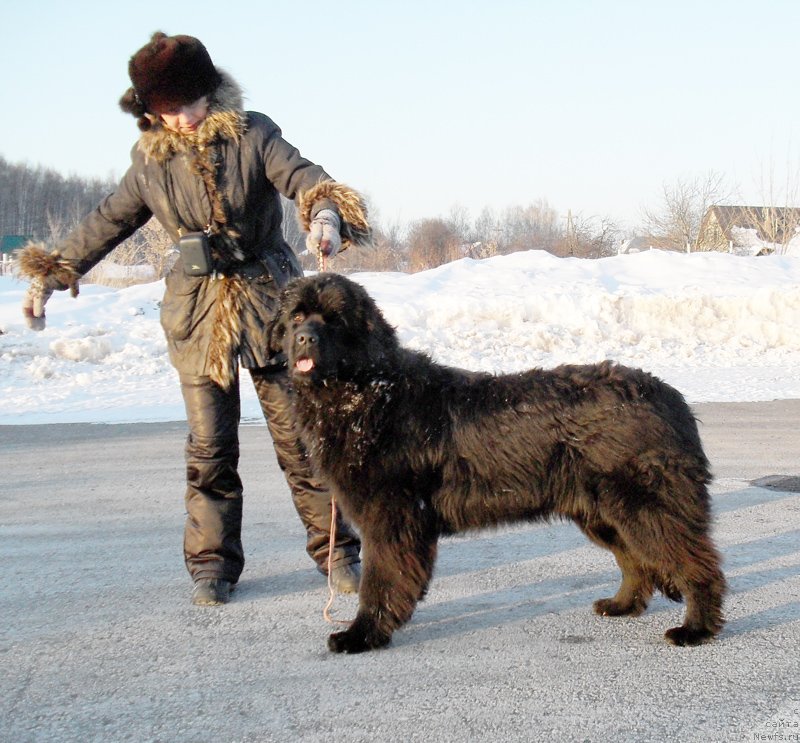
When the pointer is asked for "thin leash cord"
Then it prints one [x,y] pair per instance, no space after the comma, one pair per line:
[331,590]
[322,263]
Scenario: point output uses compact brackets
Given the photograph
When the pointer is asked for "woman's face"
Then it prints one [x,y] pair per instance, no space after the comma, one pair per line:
[186,119]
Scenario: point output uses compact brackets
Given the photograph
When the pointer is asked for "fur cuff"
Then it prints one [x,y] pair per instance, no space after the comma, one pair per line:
[55,272]
[350,205]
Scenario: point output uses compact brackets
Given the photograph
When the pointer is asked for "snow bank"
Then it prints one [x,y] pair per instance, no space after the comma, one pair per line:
[719,327]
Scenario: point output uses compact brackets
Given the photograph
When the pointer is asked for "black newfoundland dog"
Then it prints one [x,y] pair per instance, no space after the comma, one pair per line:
[414,450]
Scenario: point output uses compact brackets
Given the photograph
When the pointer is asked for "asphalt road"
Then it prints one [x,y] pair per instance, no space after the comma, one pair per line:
[98,641]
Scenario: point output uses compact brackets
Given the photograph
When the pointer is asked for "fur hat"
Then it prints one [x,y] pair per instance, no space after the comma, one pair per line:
[168,72]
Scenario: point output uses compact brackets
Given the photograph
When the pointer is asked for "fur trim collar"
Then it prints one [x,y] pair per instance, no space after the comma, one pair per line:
[225,120]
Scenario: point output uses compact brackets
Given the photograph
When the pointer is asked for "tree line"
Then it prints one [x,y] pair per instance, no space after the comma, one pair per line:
[432,241]
[42,204]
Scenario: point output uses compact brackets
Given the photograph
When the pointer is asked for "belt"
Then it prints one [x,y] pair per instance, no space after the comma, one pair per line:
[234,269]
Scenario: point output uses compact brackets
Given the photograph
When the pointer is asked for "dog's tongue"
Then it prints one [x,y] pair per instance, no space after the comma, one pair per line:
[304,365]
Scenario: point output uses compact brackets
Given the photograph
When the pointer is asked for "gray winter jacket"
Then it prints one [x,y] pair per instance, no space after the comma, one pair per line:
[226,178]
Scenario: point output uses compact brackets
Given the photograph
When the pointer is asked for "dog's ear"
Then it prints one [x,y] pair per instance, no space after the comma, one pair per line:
[377,325]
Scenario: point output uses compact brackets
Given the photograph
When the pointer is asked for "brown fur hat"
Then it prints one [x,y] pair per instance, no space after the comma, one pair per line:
[168,72]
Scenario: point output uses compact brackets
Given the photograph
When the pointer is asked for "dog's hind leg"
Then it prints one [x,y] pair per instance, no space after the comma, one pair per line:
[636,589]
[660,510]
[682,560]
[702,583]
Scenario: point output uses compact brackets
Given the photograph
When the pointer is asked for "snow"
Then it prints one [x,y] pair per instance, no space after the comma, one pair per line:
[747,242]
[719,327]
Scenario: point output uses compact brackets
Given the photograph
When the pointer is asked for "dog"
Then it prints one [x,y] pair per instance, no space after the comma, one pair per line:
[414,450]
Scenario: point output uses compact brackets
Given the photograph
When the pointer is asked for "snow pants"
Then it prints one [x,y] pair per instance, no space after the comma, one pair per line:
[213,532]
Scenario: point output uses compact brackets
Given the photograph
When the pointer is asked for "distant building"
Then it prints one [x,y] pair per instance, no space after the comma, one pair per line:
[10,243]
[751,229]
[640,243]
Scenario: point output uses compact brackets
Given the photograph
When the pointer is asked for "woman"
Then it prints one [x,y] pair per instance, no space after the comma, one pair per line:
[211,173]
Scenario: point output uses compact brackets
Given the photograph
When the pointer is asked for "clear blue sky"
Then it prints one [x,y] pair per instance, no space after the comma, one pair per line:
[593,106]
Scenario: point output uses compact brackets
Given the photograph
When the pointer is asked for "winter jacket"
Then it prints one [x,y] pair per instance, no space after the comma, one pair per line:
[226,178]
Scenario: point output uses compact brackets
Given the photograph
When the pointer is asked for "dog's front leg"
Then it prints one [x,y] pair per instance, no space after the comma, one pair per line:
[396,573]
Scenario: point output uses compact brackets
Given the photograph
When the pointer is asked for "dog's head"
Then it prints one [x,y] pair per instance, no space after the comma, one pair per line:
[330,328]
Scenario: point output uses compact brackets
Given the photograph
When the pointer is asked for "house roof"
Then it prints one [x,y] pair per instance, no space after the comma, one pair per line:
[753,218]
[10,243]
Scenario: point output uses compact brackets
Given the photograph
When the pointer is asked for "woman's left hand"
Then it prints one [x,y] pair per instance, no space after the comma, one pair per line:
[323,235]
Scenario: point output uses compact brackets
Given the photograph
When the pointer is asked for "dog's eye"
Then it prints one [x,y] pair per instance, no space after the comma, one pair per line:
[336,318]
[298,317]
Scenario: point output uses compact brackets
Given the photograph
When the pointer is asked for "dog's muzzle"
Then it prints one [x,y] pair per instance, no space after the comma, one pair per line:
[306,341]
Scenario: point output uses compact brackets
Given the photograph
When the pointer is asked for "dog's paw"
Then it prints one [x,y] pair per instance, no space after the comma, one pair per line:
[614,608]
[355,642]
[345,642]
[687,636]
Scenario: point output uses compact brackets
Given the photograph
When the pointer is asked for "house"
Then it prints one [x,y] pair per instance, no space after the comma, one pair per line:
[640,243]
[753,229]
[10,243]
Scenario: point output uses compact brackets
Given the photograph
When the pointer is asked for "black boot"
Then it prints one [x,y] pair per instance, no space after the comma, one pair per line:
[345,577]
[211,592]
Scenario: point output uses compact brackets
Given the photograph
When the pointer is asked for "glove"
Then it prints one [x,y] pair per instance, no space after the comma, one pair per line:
[33,304]
[323,234]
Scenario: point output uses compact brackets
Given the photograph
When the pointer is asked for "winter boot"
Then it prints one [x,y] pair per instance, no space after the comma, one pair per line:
[211,592]
[345,578]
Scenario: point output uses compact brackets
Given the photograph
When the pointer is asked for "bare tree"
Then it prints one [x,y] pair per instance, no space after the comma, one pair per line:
[777,218]
[676,223]
[150,247]
[459,223]
[606,236]
[388,251]
[587,237]
[34,201]
[432,242]
[529,227]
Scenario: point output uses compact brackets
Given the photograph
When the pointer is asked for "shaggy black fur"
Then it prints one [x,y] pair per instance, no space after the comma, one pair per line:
[414,450]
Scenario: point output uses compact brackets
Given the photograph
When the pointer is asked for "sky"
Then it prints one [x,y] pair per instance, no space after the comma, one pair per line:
[432,106]
[718,327]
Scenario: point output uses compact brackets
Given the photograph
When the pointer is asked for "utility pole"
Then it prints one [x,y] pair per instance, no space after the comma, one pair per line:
[570,233]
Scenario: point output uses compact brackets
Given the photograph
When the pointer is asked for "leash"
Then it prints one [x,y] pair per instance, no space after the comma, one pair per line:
[326,613]
[322,265]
